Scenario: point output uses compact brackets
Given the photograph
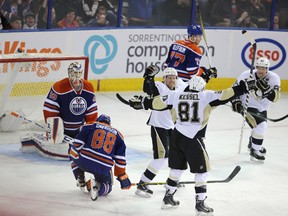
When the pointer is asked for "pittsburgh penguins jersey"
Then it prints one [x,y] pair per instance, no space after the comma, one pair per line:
[163,119]
[185,57]
[255,98]
[194,108]
[75,108]
[99,146]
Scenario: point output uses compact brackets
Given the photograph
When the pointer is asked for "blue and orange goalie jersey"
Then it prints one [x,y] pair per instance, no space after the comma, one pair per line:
[75,108]
[185,57]
[99,147]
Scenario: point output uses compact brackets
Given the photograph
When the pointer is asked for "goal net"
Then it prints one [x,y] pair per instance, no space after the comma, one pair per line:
[25,80]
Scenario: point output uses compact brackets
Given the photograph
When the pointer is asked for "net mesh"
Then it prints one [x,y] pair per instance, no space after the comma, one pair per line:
[25,79]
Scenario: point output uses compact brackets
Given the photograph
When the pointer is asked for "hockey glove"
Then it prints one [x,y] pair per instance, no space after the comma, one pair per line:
[264,87]
[124,181]
[150,72]
[237,106]
[209,73]
[247,85]
[136,102]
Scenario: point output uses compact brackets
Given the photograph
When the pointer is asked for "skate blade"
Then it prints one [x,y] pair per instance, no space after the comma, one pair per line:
[256,160]
[203,213]
[168,206]
[142,194]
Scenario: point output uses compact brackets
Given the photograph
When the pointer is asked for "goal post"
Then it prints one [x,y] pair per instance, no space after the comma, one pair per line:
[25,79]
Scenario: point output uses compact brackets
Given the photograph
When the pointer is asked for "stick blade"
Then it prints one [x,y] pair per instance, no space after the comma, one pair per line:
[122,99]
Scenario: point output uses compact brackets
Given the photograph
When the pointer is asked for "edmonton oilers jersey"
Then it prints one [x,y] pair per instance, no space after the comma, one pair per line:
[75,108]
[98,147]
[185,57]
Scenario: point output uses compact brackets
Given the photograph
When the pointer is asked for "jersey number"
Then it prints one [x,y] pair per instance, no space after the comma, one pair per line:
[184,111]
[179,56]
[103,139]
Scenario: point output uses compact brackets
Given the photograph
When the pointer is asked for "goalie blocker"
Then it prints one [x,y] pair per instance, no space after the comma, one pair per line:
[50,145]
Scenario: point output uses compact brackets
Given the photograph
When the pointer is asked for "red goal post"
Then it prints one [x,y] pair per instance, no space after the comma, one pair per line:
[25,77]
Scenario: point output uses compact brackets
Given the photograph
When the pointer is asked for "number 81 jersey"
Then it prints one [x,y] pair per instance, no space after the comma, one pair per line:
[193,108]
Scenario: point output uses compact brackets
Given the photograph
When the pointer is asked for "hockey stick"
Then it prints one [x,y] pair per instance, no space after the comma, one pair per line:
[203,32]
[122,99]
[66,138]
[228,179]
[265,118]
[254,46]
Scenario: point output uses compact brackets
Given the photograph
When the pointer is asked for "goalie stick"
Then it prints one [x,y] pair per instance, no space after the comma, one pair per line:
[235,171]
[254,46]
[66,138]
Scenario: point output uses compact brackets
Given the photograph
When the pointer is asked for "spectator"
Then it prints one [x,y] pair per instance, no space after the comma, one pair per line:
[177,12]
[276,21]
[30,21]
[258,13]
[4,24]
[69,21]
[100,18]
[16,22]
[43,16]
[61,7]
[226,12]
[244,21]
[11,8]
[139,12]
[90,8]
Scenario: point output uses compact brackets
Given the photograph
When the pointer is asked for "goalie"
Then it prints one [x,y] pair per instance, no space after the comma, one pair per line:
[73,100]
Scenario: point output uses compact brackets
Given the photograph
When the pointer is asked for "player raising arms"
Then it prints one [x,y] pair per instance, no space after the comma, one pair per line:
[95,149]
[162,125]
[185,56]
[73,100]
[193,107]
[267,91]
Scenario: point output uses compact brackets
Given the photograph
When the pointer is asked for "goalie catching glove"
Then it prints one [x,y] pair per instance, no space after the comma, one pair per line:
[124,181]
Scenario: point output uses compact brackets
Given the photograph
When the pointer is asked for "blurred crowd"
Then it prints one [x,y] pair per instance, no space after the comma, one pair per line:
[33,14]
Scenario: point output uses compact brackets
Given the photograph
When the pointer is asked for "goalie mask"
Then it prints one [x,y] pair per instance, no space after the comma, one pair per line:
[75,71]
[104,119]
[263,62]
[197,83]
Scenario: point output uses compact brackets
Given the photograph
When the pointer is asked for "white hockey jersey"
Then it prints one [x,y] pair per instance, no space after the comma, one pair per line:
[193,108]
[262,104]
[163,119]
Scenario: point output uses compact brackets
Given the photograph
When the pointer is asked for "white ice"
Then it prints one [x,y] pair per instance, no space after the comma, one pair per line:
[33,185]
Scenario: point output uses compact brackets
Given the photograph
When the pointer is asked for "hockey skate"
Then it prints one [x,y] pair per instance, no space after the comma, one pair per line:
[202,209]
[81,182]
[256,156]
[168,200]
[143,190]
[262,150]
[94,189]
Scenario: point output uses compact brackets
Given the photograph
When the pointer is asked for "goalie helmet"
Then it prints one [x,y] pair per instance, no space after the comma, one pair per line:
[194,30]
[263,62]
[104,118]
[75,71]
[196,83]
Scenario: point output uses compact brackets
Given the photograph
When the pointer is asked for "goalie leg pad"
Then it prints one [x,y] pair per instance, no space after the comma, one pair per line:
[56,130]
[9,122]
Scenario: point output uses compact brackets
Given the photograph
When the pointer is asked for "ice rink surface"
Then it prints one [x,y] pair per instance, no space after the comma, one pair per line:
[33,185]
